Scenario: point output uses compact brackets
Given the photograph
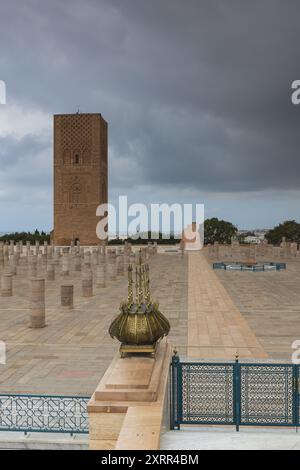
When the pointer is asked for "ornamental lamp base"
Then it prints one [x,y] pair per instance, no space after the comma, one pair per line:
[138,349]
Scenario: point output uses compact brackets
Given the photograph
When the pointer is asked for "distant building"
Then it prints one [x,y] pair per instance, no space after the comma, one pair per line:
[252,239]
[80,176]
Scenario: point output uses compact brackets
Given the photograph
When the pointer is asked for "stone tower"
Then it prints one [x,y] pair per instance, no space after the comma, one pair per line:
[80,176]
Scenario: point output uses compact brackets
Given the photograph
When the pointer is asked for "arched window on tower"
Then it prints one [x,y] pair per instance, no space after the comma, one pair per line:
[76,158]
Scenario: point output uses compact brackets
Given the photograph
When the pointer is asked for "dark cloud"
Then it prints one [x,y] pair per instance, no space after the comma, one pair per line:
[196,93]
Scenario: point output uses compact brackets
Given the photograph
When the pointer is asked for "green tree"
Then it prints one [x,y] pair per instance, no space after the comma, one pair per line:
[289,229]
[220,231]
[26,236]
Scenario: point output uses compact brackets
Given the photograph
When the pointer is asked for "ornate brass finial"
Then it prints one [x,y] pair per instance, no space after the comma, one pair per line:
[175,352]
[236,356]
[130,283]
[140,324]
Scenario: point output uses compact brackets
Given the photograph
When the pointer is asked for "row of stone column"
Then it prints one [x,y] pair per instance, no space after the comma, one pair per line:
[237,251]
[107,264]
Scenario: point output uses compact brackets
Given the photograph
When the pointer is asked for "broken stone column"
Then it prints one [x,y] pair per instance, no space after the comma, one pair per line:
[5,253]
[132,258]
[44,260]
[87,282]
[294,248]
[77,265]
[1,255]
[6,285]
[120,264]
[87,259]
[50,273]
[11,247]
[65,268]
[17,253]
[37,303]
[95,258]
[32,266]
[126,261]
[111,264]
[67,294]
[56,257]
[13,264]
[101,275]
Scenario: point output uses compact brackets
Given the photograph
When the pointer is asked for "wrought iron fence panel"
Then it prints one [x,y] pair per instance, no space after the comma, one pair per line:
[32,413]
[207,393]
[267,394]
[297,392]
[260,394]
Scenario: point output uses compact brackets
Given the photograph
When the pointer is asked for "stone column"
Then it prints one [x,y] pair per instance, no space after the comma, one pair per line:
[50,271]
[120,264]
[111,264]
[6,285]
[56,257]
[27,249]
[67,294]
[65,269]
[95,258]
[1,255]
[87,283]
[5,253]
[87,259]
[126,262]
[18,252]
[294,247]
[13,264]
[32,266]
[77,265]
[37,303]
[132,258]
[101,275]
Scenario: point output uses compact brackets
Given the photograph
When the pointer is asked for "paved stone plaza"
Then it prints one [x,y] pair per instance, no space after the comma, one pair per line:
[270,302]
[70,355]
[212,314]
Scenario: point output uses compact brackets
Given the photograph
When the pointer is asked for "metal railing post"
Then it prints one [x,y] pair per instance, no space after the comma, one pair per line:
[237,392]
[175,364]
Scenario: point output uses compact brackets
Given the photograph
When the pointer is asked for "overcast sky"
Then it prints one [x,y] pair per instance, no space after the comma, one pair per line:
[196,94]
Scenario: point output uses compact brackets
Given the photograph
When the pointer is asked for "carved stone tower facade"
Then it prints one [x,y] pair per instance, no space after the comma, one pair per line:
[80,176]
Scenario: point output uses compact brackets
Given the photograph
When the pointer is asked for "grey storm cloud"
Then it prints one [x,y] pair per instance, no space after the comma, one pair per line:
[196,92]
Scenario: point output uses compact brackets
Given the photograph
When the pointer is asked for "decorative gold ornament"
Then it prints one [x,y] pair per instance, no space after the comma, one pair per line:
[139,324]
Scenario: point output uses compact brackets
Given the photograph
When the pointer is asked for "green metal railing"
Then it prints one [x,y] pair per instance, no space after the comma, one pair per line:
[43,413]
[240,394]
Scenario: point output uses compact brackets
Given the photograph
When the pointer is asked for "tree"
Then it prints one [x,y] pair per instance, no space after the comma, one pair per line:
[289,229]
[220,231]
